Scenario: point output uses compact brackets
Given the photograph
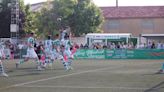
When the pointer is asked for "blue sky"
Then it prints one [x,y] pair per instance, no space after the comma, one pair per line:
[121,2]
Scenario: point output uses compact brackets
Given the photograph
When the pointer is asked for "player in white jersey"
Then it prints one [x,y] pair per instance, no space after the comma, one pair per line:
[2,55]
[2,72]
[48,51]
[67,51]
[31,54]
[57,53]
[62,34]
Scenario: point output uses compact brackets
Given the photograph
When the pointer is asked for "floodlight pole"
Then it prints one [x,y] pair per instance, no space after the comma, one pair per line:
[116,3]
[14,20]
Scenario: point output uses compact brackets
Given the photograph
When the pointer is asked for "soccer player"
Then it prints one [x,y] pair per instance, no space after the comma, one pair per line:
[162,69]
[31,54]
[68,56]
[62,34]
[2,72]
[40,52]
[48,51]
[57,51]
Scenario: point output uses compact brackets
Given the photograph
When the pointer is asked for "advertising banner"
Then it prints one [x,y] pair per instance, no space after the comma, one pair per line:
[119,54]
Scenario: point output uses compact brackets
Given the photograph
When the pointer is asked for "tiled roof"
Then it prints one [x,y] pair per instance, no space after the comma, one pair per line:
[123,12]
[133,12]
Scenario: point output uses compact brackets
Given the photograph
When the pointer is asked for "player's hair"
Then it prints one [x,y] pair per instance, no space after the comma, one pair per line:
[48,37]
[62,46]
[66,36]
[31,33]
[57,35]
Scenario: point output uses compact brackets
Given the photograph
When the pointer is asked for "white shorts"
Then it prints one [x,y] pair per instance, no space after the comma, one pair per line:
[56,56]
[67,53]
[48,53]
[1,54]
[31,53]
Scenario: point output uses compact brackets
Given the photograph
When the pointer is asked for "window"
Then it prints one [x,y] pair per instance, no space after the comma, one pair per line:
[113,24]
[147,24]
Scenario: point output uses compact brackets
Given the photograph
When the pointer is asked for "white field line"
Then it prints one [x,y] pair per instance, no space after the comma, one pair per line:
[57,77]
[80,87]
[62,76]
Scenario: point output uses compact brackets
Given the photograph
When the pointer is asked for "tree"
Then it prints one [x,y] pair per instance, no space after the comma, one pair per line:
[86,18]
[22,16]
[82,16]
[50,20]
[5,19]
[45,21]
[30,20]
[63,9]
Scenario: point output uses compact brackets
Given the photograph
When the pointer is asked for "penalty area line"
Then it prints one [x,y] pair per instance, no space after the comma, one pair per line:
[62,76]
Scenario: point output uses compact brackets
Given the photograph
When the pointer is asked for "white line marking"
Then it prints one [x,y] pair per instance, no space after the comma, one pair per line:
[61,76]
[77,87]
[6,87]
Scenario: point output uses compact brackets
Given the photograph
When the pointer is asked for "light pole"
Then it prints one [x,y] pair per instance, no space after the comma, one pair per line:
[116,3]
[14,26]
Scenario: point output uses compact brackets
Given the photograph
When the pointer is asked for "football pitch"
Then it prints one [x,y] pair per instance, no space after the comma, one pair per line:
[87,76]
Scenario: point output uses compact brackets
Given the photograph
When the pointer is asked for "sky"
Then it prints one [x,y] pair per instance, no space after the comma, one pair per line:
[113,2]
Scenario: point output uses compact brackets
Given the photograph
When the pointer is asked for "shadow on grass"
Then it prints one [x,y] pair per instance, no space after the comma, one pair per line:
[156,87]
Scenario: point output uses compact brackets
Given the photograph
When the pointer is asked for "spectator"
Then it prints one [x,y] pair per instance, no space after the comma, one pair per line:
[159,45]
[86,46]
[163,46]
[141,46]
[153,46]
[20,46]
[81,46]
[77,46]
[118,45]
[149,45]
[104,46]
[113,46]
[124,46]
[11,51]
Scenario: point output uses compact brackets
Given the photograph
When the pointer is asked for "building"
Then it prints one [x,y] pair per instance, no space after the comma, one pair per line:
[136,20]
[37,6]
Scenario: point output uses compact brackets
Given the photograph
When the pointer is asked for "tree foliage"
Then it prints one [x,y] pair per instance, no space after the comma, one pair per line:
[86,18]
[45,22]
[5,18]
[51,20]
[22,18]
[82,16]
[30,20]
[26,17]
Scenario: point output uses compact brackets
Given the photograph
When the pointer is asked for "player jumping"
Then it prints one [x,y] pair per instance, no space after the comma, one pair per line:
[57,51]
